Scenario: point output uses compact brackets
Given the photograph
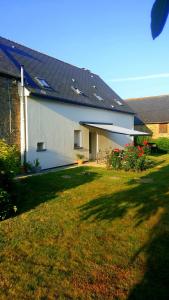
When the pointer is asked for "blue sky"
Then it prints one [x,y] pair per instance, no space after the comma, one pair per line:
[111,38]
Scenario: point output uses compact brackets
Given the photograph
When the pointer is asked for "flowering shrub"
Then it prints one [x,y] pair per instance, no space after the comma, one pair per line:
[9,166]
[116,159]
[131,158]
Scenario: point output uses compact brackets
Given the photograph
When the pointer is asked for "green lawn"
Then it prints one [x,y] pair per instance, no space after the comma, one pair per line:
[88,233]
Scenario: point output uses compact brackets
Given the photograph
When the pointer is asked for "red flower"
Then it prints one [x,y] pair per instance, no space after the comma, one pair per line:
[145,143]
[116,150]
[139,148]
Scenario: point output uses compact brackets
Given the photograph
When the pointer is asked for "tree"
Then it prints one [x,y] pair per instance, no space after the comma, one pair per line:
[159,14]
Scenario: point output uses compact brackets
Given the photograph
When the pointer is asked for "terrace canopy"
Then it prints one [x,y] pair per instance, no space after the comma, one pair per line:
[115,129]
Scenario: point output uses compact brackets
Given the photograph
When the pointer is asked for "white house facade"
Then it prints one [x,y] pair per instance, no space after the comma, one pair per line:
[58,126]
[53,110]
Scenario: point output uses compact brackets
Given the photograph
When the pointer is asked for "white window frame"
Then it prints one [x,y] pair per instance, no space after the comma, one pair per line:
[79,144]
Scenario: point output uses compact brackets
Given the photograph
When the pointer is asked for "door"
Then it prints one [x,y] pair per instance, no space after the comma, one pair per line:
[92,145]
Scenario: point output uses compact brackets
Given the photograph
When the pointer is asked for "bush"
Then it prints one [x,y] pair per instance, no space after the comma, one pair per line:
[140,140]
[131,158]
[9,167]
[9,158]
[116,159]
[163,144]
[7,206]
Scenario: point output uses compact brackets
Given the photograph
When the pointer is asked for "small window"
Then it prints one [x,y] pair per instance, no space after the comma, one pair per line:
[163,128]
[76,90]
[98,97]
[77,139]
[118,102]
[41,146]
[42,82]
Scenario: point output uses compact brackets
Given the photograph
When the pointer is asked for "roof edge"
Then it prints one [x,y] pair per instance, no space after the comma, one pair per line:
[69,101]
[146,97]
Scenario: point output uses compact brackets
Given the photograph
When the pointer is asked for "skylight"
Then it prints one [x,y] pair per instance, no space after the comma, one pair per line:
[42,82]
[76,90]
[118,102]
[98,97]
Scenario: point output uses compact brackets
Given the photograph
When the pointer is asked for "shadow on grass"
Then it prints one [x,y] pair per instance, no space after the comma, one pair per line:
[146,199]
[39,189]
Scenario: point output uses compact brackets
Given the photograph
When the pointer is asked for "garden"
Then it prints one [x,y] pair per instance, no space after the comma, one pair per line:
[88,233]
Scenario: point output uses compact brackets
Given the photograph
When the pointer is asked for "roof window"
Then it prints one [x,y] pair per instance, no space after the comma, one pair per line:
[118,102]
[42,82]
[76,90]
[98,97]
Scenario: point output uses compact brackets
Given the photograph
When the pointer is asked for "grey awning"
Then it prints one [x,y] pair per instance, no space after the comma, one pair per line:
[115,129]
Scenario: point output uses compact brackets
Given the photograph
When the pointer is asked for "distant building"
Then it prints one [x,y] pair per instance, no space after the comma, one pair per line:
[152,115]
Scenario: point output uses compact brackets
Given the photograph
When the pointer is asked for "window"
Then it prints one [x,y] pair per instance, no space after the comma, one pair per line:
[98,97]
[118,102]
[77,139]
[163,128]
[41,147]
[76,90]
[42,82]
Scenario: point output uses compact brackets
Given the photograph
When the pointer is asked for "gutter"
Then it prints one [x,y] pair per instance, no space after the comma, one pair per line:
[69,101]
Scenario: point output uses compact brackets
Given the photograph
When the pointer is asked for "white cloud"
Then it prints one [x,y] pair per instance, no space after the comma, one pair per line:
[145,77]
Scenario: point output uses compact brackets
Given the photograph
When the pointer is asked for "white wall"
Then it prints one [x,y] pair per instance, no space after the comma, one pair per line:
[54,123]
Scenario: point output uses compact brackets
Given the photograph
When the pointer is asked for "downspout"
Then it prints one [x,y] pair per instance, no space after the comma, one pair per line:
[24,113]
[10,109]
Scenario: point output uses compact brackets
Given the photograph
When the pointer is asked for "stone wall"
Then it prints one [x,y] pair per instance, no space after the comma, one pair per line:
[9,111]
[153,129]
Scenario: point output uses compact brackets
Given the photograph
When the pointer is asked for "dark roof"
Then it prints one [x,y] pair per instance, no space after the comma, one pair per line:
[150,109]
[59,76]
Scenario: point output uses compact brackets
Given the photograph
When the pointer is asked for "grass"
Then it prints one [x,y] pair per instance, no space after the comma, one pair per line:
[89,233]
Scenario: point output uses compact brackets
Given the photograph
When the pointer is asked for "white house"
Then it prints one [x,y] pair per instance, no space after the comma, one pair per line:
[61,110]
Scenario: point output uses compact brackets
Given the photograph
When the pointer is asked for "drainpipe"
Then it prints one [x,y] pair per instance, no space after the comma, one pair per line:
[10,109]
[24,112]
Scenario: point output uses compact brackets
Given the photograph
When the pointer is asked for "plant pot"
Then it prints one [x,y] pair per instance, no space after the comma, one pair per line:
[80,162]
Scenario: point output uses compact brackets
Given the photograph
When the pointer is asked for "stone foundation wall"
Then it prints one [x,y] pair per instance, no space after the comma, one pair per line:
[9,111]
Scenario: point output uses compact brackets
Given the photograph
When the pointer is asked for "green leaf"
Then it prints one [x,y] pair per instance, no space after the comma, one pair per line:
[159,14]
